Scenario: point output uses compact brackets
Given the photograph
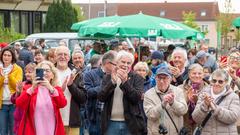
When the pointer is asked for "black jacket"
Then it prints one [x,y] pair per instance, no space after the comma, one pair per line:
[132,91]
[79,96]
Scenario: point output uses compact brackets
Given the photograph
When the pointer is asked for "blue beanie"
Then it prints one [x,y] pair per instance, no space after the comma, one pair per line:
[157,55]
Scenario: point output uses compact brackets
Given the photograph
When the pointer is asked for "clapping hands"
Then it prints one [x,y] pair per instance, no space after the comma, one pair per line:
[168,98]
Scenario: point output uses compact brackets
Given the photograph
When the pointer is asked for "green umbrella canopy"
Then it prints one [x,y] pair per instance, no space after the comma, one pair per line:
[236,22]
[78,25]
[138,25]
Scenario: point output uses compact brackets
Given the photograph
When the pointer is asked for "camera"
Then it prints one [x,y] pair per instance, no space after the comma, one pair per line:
[162,129]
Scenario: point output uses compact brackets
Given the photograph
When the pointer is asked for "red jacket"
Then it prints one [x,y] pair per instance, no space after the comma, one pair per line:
[28,103]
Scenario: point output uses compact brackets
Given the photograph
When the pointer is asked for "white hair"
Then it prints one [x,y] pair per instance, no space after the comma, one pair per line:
[78,51]
[123,53]
[64,48]
[183,52]
[141,64]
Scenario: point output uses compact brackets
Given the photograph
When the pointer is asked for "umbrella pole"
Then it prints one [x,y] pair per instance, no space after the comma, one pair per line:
[139,52]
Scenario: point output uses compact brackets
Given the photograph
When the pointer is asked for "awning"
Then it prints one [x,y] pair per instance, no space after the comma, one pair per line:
[43,8]
[8,6]
[28,5]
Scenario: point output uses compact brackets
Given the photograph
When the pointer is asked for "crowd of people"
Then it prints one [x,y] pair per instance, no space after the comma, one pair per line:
[98,90]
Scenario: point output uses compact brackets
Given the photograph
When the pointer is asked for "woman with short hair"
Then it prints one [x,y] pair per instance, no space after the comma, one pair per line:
[192,87]
[225,114]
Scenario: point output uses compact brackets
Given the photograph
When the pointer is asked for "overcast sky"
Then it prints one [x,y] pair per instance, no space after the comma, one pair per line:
[235,3]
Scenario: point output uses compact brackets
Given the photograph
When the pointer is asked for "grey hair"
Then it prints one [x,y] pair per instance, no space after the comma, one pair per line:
[109,56]
[141,64]
[221,73]
[183,52]
[62,47]
[78,51]
[123,53]
[95,59]
[195,66]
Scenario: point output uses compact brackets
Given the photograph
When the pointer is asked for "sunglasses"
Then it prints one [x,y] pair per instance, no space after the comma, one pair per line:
[219,81]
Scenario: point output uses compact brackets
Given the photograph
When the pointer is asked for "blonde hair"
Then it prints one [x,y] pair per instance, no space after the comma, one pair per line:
[54,81]
[141,64]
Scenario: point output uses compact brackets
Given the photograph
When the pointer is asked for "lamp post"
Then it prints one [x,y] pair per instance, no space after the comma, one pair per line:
[89,9]
[105,8]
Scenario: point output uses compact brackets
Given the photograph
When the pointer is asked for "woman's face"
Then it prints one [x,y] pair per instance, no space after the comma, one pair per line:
[7,58]
[218,83]
[48,74]
[234,61]
[29,74]
[196,75]
[141,71]
[39,58]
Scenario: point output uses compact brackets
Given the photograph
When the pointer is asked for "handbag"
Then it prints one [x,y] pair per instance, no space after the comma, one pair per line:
[198,129]
[184,130]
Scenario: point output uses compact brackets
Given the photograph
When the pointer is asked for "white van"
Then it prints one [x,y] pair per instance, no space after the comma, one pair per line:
[52,39]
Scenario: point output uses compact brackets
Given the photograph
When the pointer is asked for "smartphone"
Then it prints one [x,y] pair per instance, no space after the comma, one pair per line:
[39,73]
[223,59]
[238,72]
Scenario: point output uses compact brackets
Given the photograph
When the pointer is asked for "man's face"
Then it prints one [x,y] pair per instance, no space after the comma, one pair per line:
[163,82]
[125,63]
[39,58]
[178,59]
[62,57]
[17,46]
[204,48]
[78,60]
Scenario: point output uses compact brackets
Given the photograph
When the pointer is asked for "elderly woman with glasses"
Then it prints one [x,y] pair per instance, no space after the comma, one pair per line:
[41,104]
[192,87]
[224,114]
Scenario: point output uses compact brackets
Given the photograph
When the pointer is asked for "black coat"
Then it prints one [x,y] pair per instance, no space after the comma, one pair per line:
[79,96]
[132,91]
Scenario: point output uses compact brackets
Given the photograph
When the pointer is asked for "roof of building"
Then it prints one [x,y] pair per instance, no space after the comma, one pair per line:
[205,11]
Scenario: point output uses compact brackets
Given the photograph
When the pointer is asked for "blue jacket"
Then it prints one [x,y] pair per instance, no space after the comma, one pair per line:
[92,82]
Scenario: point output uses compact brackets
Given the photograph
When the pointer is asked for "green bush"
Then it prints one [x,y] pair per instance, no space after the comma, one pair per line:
[8,34]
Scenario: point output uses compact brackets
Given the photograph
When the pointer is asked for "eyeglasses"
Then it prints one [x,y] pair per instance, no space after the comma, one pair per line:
[219,81]
[235,58]
[112,63]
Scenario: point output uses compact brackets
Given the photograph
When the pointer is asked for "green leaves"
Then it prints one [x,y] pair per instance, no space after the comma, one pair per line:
[60,17]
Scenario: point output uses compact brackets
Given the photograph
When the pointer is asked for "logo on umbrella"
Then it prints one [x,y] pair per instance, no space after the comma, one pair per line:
[109,24]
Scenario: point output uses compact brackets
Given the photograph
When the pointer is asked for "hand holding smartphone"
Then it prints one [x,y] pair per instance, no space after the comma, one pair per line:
[39,73]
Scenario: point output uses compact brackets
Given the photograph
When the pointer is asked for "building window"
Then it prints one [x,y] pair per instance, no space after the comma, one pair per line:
[1,20]
[15,21]
[24,23]
[203,13]
[37,22]
[100,13]
[162,13]
[204,28]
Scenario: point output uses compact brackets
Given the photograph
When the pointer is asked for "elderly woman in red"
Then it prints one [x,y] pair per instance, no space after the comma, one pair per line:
[41,103]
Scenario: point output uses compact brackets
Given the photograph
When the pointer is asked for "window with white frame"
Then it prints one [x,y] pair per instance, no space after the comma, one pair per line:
[203,13]
[100,13]
[162,13]
[204,28]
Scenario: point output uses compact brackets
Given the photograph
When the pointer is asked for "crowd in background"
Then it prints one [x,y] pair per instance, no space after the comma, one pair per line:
[118,90]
